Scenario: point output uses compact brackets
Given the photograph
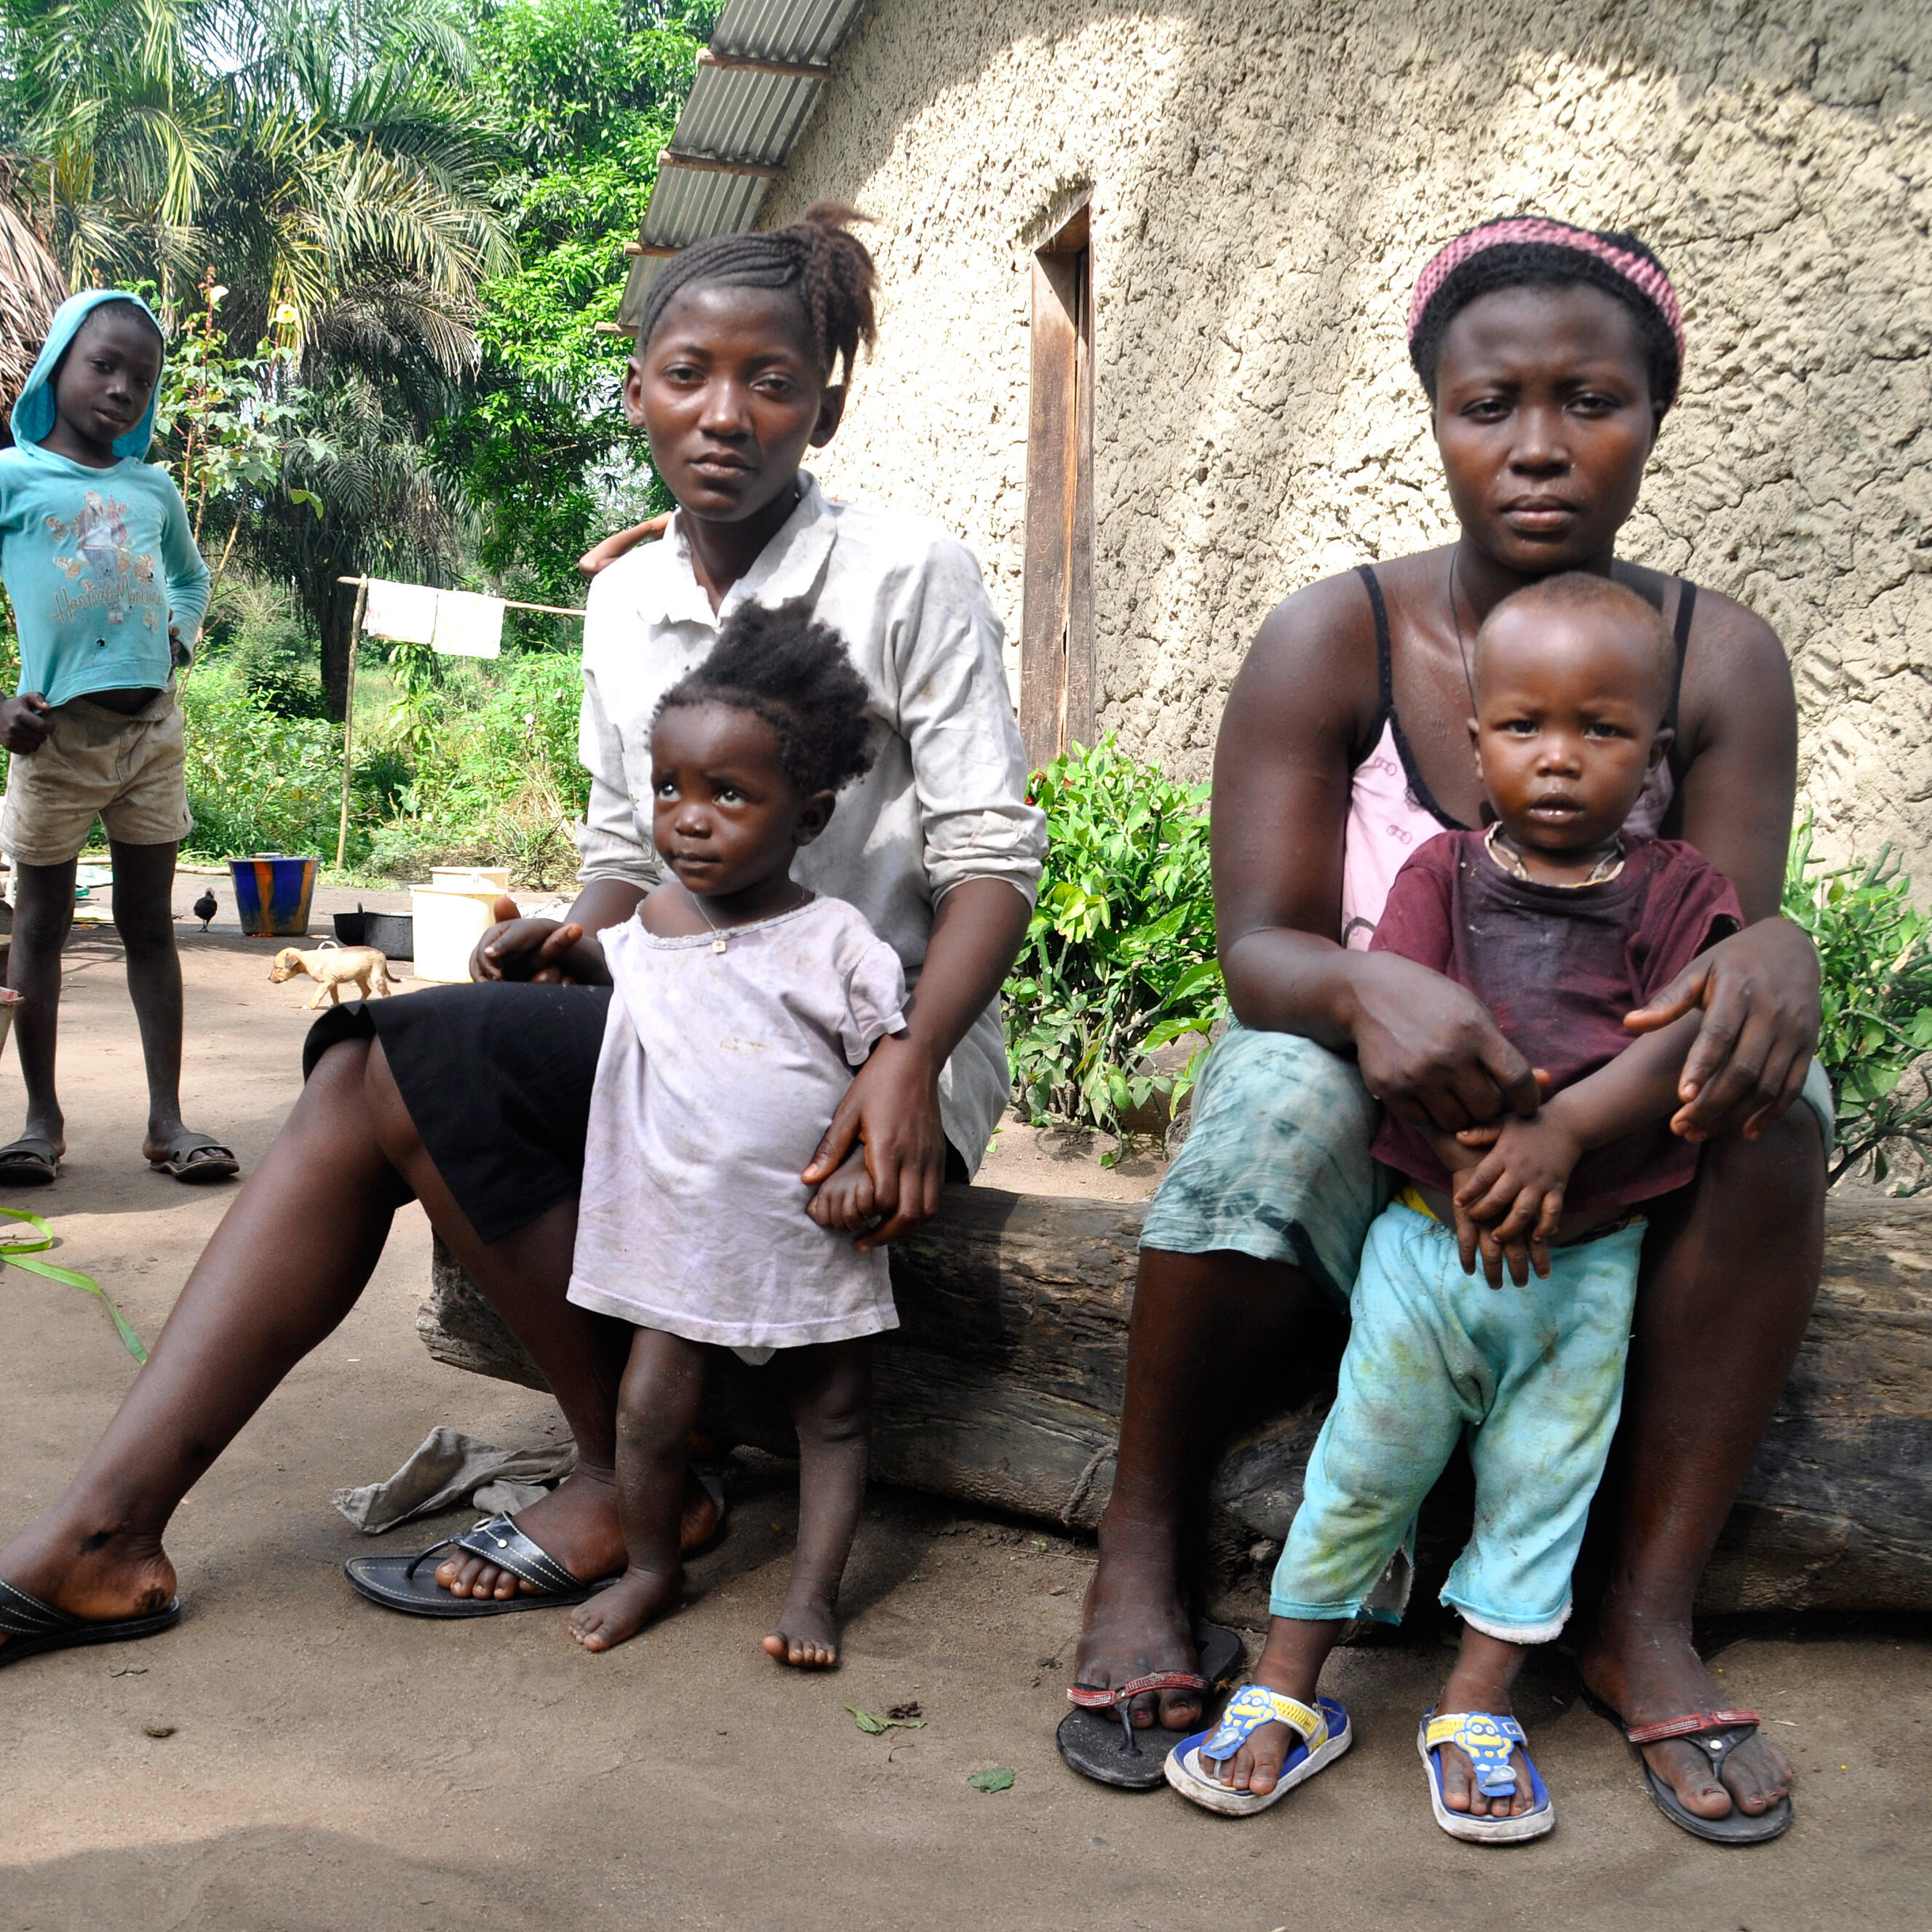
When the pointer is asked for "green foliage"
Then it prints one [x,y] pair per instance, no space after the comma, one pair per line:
[1876,952]
[256,781]
[587,93]
[1120,958]
[456,762]
[224,423]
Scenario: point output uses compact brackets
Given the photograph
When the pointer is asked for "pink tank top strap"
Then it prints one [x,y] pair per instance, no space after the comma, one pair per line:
[1391,811]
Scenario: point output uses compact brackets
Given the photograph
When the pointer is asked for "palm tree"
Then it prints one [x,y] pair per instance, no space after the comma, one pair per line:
[324,158]
[31,287]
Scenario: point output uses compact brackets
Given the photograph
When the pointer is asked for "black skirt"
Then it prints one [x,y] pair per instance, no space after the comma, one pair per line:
[497,1080]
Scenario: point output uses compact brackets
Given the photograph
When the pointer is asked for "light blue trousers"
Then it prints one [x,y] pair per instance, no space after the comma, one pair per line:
[1535,1374]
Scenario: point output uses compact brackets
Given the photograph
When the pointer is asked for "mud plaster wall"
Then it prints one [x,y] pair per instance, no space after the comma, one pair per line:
[1266,180]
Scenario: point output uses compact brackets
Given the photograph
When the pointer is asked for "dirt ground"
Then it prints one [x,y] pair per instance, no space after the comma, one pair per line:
[326,1768]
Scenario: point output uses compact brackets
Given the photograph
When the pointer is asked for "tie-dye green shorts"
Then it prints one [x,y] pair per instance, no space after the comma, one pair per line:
[1276,1162]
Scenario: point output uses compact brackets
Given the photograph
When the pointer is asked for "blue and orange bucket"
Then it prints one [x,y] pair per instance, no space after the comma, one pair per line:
[272,893]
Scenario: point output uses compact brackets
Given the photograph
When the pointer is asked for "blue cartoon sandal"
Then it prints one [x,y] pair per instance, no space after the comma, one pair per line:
[1486,1742]
[1324,1734]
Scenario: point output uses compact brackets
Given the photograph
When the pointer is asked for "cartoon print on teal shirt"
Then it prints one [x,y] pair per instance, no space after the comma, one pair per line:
[114,575]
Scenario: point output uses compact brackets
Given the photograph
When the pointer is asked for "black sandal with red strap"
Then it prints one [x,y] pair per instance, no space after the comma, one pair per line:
[1097,1737]
[1717,1733]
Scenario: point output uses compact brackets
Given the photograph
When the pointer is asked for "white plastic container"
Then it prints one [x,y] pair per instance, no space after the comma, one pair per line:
[462,878]
[450,918]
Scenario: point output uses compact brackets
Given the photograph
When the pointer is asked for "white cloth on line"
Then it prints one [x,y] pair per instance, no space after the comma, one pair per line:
[405,613]
[450,1466]
[468,626]
[724,1057]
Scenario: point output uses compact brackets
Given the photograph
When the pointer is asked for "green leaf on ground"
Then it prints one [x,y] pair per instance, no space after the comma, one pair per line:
[1000,1778]
[873,1726]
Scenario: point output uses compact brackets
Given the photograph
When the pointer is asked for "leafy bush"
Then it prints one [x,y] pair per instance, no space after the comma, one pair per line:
[1876,951]
[1119,958]
[257,780]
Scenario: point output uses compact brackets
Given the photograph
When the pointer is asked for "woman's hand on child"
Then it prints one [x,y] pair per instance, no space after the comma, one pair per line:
[1758,990]
[1429,1049]
[892,1106]
[25,726]
[846,1198]
[1507,1205]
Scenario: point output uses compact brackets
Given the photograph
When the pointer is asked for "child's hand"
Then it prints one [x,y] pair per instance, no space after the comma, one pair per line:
[24,727]
[180,654]
[1508,1204]
[540,951]
[844,1198]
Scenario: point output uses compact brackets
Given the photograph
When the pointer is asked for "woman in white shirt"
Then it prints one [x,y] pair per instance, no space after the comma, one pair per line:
[473,1099]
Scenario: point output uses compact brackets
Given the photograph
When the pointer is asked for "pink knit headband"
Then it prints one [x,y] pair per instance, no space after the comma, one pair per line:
[1645,276]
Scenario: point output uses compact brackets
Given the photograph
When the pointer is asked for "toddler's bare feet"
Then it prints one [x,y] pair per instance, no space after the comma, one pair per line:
[807,1636]
[637,1598]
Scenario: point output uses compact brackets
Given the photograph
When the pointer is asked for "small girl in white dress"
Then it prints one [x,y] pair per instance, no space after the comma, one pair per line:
[741,1003]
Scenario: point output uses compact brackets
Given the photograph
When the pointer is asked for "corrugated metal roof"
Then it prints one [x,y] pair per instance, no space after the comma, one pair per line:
[734,114]
[743,120]
[785,30]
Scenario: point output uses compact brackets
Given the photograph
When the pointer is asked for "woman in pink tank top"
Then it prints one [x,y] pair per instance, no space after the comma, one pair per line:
[1549,356]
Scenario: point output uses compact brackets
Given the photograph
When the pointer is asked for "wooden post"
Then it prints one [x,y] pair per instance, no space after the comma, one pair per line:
[1057,605]
[348,719]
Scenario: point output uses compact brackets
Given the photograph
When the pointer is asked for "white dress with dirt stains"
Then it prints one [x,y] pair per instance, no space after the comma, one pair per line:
[721,1070]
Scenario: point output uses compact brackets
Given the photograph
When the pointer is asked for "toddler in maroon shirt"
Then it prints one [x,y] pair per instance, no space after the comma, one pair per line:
[1558,966]
[1560,925]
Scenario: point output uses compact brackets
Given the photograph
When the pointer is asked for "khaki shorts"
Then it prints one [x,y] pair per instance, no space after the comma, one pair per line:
[128,772]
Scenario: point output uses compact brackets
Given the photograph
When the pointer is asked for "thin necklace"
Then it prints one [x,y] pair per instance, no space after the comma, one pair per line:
[718,938]
[717,941]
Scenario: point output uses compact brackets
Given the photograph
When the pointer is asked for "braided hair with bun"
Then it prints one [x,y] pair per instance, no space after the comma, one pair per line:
[830,269]
[1531,251]
[778,662]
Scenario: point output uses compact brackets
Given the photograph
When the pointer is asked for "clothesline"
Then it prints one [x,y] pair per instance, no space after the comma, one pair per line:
[508,603]
[455,623]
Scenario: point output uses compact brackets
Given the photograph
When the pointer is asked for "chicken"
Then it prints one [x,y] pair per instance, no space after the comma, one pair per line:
[205,907]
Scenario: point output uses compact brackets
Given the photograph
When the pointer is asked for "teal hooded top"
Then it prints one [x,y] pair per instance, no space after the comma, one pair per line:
[98,563]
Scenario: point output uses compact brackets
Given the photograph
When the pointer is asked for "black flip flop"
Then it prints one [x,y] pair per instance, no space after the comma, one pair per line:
[31,1627]
[218,1162]
[21,1166]
[1097,1739]
[1717,1733]
[392,1581]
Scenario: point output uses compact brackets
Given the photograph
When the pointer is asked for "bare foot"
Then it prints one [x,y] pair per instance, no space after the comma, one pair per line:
[1134,1624]
[102,1576]
[637,1598]
[576,1524]
[807,1636]
[1646,1671]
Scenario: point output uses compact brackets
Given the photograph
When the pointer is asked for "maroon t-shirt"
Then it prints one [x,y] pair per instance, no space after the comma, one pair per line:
[1558,967]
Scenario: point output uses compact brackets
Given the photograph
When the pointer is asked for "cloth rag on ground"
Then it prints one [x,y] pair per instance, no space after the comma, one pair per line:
[449,1466]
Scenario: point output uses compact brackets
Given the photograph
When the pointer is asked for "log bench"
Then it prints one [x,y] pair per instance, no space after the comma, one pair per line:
[1002,1390]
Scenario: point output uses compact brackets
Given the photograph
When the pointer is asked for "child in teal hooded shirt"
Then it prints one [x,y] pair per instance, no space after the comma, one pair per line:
[108,592]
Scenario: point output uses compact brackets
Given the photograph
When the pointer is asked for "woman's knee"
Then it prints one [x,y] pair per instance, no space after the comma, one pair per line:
[1779,1177]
